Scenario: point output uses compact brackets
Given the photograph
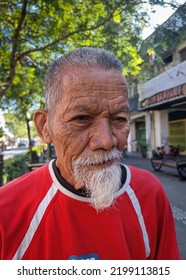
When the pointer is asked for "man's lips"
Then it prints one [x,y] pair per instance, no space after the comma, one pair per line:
[103,164]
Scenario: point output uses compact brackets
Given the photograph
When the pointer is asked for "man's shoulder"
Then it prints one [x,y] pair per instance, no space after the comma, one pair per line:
[148,189]
[143,179]
[30,184]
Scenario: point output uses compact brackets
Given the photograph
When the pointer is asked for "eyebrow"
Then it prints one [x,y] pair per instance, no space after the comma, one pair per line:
[126,109]
[81,108]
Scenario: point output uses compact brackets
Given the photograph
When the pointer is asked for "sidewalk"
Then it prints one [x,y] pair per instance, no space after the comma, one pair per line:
[136,159]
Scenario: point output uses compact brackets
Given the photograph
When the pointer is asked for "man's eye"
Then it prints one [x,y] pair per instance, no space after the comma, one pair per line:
[120,120]
[82,119]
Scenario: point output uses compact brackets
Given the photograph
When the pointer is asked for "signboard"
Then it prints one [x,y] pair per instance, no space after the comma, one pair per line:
[162,97]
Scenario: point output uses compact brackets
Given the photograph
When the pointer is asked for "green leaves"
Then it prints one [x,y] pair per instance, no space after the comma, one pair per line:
[163,42]
[33,33]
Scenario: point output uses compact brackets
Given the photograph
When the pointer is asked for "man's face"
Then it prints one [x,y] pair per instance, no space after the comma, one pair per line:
[90,120]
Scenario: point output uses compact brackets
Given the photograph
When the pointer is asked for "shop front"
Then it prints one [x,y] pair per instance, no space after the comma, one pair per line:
[167,114]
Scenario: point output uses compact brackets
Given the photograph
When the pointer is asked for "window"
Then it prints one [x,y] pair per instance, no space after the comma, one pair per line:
[177,134]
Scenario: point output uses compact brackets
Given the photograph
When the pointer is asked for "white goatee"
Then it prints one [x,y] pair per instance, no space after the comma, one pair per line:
[101,184]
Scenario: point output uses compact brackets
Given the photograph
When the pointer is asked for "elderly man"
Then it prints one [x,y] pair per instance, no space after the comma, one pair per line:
[86,204]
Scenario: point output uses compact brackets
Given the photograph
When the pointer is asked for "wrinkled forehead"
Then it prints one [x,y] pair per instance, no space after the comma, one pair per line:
[93,91]
[94,80]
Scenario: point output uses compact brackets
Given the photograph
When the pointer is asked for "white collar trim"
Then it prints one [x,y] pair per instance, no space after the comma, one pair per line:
[87,199]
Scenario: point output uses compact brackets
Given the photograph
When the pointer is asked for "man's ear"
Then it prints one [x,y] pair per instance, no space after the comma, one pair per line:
[41,125]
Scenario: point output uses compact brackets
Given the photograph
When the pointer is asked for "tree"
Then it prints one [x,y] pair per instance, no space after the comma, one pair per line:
[36,31]
[163,42]
[22,100]
[14,125]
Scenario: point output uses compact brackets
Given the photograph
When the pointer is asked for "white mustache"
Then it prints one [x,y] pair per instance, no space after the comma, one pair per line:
[96,159]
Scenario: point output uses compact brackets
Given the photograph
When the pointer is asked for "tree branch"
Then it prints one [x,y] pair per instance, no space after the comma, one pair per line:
[15,56]
[33,62]
[13,60]
[96,26]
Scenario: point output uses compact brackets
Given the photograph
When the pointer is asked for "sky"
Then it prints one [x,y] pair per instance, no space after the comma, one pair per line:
[161,15]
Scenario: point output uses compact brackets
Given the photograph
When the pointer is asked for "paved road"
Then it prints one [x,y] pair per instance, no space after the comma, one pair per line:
[9,153]
[176,192]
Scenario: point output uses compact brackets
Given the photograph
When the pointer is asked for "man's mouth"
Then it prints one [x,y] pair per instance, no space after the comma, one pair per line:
[102,164]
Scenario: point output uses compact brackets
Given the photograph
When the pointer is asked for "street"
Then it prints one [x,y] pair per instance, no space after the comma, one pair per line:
[176,192]
[9,153]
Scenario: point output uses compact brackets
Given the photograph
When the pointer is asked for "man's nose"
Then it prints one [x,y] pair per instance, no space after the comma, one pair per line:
[102,136]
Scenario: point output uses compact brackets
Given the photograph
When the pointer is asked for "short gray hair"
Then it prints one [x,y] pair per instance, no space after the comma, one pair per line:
[81,57]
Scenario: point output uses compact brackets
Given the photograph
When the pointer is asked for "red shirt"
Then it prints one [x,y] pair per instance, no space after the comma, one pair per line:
[40,219]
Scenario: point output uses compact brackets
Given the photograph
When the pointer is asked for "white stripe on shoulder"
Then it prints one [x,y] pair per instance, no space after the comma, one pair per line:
[137,208]
[35,223]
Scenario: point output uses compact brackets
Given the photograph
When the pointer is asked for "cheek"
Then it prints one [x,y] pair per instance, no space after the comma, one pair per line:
[69,143]
[122,137]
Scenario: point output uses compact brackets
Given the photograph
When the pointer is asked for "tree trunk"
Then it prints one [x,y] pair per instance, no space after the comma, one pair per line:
[29,136]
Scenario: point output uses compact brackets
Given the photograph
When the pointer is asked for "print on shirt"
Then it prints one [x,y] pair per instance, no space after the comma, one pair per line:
[84,257]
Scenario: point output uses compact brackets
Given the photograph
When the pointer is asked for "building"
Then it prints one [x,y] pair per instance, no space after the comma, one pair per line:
[158,106]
